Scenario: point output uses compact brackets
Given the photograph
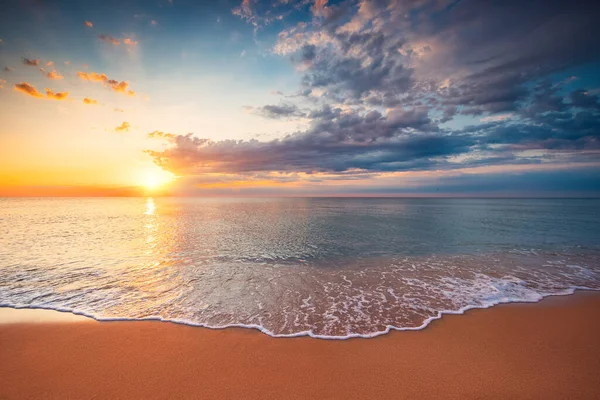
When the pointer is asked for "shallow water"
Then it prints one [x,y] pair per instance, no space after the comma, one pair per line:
[330,268]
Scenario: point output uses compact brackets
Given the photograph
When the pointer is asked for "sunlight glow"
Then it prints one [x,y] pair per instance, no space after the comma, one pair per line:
[155,178]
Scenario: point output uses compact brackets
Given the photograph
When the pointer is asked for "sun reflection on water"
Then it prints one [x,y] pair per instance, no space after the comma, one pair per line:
[151,226]
[150,206]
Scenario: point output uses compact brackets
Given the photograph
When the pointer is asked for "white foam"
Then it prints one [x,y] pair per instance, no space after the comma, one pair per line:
[309,333]
[329,303]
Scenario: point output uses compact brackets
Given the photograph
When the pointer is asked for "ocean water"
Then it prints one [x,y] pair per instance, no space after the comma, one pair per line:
[329,268]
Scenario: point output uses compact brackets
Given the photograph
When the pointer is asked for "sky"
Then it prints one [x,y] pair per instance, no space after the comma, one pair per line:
[300,98]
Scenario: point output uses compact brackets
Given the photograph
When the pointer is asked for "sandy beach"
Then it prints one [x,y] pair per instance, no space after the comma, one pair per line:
[545,350]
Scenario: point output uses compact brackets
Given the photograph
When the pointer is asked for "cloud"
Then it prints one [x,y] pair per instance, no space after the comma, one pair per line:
[115,41]
[121,87]
[2,82]
[373,53]
[49,64]
[56,96]
[88,24]
[244,10]
[161,135]
[28,89]
[119,110]
[115,85]
[339,141]
[52,74]
[130,42]
[320,9]
[261,13]
[387,85]
[8,69]
[31,62]
[87,100]
[109,39]
[93,76]
[583,99]
[494,118]
[282,111]
[124,127]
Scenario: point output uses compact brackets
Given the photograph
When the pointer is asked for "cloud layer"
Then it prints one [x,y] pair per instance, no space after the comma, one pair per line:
[392,86]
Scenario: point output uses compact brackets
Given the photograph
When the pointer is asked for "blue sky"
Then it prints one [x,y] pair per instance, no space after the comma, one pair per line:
[299,97]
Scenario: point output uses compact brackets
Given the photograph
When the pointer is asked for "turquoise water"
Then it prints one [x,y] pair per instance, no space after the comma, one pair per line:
[331,268]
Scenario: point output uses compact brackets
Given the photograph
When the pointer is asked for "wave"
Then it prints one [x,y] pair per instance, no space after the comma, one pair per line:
[308,333]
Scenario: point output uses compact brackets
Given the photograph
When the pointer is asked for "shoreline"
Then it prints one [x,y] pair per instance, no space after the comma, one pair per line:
[42,314]
[548,349]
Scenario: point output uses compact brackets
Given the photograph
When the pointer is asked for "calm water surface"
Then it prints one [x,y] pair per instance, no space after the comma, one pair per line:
[324,267]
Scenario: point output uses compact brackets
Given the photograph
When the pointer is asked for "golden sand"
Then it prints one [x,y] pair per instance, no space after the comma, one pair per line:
[548,350]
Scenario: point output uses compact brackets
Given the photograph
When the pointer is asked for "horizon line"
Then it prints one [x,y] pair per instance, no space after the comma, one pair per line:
[334,196]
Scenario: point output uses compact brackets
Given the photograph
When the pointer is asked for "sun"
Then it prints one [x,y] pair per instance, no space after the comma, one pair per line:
[154,178]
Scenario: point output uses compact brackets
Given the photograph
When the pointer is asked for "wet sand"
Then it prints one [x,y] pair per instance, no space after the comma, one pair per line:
[547,350]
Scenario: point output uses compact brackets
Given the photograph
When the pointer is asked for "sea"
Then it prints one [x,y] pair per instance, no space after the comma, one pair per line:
[330,268]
